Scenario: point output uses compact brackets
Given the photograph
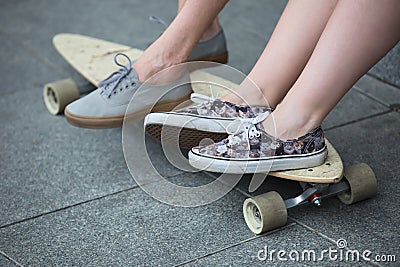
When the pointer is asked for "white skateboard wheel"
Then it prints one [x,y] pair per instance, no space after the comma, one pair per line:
[59,94]
[265,212]
[362,182]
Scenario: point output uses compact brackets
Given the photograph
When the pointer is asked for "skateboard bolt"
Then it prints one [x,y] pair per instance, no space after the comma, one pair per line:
[257,214]
[316,199]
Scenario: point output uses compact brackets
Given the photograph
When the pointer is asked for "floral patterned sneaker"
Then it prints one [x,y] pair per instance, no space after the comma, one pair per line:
[208,119]
[252,150]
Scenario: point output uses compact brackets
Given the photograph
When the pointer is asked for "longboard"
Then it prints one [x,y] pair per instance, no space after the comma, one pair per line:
[93,59]
[90,57]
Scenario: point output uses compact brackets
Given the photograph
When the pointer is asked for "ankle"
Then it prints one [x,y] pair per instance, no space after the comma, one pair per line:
[211,30]
[156,59]
[290,125]
[247,93]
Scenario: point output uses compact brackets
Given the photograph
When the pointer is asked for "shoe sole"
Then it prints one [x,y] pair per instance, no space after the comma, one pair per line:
[185,130]
[105,122]
[183,137]
[220,58]
[281,163]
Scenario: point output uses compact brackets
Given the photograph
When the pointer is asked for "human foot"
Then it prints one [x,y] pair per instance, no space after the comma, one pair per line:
[159,55]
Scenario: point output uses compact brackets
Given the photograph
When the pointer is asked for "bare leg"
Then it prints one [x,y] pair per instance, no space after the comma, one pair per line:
[211,29]
[176,43]
[358,34]
[287,51]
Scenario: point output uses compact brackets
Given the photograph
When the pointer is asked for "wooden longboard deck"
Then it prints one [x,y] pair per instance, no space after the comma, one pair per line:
[94,59]
[200,87]
[329,172]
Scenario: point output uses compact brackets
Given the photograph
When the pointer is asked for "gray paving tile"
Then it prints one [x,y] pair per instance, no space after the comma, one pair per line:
[384,93]
[247,37]
[35,59]
[121,21]
[47,164]
[370,224]
[129,228]
[4,262]
[285,188]
[294,239]
[24,70]
[353,106]
[155,154]
[388,68]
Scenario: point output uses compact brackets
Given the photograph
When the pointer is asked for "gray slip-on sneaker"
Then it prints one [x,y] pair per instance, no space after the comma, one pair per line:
[213,49]
[106,106]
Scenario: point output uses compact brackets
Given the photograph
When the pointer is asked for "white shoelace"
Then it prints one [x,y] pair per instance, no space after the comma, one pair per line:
[202,99]
[247,125]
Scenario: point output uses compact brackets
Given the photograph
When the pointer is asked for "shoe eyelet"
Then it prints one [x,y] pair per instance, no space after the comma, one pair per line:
[115,92]
[126,86]
[133,83]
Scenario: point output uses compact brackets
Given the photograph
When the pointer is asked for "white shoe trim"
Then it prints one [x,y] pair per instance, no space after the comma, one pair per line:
[257,165]
[191,121]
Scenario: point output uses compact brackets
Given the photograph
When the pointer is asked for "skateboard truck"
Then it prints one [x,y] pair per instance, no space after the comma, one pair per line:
[313,193]
[269,211]
[316,199]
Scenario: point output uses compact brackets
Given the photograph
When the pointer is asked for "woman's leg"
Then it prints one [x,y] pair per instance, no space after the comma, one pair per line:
[210,30]
[358,34]
[176,43]
[287,52]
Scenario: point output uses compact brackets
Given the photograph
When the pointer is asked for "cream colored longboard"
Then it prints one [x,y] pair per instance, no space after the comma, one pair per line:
[94,59]
[331,171]
[90,57]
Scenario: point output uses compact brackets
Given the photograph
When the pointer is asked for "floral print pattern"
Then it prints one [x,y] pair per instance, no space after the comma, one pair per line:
[255,143]
[222,109]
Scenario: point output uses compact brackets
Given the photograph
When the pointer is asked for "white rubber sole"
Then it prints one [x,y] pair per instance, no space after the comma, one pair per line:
[265,165]
[190,121]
